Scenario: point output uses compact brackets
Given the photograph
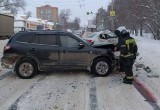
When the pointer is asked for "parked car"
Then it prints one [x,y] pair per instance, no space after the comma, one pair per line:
[78,32]
[103,37]
[85,34]
[31,51]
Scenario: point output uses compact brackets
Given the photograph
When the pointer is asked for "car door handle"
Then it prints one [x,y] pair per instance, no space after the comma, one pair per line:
[32,49]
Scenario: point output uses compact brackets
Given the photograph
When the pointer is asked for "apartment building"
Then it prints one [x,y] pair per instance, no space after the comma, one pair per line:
[48,13]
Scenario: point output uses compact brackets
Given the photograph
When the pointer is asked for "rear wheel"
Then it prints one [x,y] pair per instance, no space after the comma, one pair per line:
[101,67]
[26,68]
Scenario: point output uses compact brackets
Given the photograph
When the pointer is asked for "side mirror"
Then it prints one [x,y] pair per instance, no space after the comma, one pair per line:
[81,45]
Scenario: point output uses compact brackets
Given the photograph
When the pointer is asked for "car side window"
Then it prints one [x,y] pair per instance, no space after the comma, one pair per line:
[67,41]
[27,38]
[47,39]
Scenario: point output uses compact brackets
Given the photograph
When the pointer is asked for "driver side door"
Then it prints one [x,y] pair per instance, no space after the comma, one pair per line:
[70,53]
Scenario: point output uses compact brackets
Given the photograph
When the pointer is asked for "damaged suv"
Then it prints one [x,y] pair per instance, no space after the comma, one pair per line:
[29,52]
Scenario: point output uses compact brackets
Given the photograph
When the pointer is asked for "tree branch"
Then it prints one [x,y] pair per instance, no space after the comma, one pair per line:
[7,5]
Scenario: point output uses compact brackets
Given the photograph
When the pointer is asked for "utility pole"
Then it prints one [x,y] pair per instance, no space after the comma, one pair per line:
[112,15]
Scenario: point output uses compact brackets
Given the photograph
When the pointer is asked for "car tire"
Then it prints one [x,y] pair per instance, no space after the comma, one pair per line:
[26,68]
[101,67]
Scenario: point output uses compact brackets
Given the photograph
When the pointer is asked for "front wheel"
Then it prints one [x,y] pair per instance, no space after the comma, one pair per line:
[101,67]
[26,68]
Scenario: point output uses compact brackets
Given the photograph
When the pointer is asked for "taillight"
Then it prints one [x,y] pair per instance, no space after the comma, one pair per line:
[90,41]
[7,47]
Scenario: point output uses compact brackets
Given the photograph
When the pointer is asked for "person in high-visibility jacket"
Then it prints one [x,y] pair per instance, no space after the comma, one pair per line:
[128,51]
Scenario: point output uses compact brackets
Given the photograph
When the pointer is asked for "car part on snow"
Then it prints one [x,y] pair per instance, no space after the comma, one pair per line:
[147,69]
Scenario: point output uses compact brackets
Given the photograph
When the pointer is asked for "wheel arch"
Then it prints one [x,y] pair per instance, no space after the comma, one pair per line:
[31,58]
[103,56]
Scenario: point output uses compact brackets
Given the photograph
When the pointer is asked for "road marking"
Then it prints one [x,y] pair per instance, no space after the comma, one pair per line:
[93,94]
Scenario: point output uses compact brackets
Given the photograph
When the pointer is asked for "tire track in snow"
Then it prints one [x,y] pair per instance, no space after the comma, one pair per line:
[5,75]
[14,106]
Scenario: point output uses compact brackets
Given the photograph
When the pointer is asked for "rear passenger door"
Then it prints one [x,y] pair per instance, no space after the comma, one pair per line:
[48,50]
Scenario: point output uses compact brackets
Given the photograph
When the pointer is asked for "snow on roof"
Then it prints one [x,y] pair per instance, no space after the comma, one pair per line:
[33,19]
[50,23]
[69,30]
[121,28]
[18,18]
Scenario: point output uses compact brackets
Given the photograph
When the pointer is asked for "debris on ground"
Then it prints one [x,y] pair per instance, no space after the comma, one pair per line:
[142,66]
[137,65]
[147,69]
[153,76]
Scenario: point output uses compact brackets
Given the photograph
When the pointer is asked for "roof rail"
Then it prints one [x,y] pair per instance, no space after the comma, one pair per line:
[29,30]
[48,30]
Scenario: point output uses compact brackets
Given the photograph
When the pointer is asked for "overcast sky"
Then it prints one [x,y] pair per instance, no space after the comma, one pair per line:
[78,7]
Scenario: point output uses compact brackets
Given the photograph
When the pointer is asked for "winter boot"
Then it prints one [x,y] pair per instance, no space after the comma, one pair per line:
[127,81]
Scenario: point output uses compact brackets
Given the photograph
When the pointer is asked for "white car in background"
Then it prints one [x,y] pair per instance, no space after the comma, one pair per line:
[103,37]
[85,34]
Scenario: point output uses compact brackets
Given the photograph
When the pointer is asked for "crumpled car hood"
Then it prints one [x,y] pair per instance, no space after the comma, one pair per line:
[104,46]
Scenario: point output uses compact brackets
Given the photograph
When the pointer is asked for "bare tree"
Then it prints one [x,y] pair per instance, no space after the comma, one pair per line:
[76,23]
[28,13]
[12,5]
[64,18]
[138,15]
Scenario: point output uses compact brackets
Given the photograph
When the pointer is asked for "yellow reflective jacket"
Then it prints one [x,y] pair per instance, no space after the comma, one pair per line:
[128,48]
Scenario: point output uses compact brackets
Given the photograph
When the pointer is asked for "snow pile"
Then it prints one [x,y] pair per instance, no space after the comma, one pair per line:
[149,53]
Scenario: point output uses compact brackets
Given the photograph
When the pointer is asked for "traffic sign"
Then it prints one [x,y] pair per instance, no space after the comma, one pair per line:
[112,13]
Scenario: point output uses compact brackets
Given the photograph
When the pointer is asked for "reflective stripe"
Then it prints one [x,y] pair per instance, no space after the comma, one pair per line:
[126,55]
[129,77]
[123,45]
[129,41]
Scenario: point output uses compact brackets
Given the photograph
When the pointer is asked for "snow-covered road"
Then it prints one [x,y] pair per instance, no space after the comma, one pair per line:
[70,91]
[78,90]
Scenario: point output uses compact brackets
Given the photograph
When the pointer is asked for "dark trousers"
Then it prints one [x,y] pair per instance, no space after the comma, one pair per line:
[121,69]
[127,66]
